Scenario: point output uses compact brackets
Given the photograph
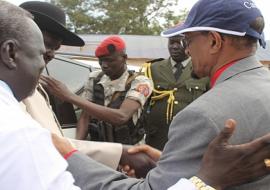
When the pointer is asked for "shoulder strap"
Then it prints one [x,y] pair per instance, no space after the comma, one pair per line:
[155,60]
[98,91]
[99,76]
[131,77]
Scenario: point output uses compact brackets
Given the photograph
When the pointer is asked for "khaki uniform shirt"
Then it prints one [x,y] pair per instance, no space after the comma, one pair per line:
[140,90]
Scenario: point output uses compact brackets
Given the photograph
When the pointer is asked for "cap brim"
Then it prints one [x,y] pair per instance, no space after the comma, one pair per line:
[180,30]
[49,24]
[176,30]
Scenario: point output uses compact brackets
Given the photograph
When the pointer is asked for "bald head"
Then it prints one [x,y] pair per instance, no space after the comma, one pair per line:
[12,21]
[21,50]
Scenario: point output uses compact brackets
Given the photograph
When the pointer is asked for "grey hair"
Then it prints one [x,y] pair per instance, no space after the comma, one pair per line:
[242,42]
[13,21]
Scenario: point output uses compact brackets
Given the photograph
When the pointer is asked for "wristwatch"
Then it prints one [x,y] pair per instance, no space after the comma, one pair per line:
[199,184]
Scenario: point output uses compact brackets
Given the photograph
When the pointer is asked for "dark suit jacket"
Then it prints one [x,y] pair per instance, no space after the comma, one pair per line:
[242,92]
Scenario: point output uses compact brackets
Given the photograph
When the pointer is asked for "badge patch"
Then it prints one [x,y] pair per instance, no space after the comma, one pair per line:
[143,89]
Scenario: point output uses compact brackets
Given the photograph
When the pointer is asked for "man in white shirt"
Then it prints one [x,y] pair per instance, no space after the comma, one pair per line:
[28,159]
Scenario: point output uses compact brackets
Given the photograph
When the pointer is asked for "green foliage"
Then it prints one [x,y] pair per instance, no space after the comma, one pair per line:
[141,17]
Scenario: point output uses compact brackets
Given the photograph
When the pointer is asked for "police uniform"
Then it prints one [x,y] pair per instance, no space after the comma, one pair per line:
[169,97]
[140,89]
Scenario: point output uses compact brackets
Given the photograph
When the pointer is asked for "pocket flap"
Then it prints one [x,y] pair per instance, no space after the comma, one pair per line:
[195,85]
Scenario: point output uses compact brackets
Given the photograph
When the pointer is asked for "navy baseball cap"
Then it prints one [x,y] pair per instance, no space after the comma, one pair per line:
[232,17]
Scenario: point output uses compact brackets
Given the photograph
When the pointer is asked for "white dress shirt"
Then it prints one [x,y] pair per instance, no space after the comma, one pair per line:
[184,63]
[29,160]
[183,184]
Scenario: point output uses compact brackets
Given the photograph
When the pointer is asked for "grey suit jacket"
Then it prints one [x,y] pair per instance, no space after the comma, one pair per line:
[242,92]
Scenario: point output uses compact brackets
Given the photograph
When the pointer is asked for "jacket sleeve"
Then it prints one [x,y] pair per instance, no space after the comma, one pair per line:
[89,174]
[106,153]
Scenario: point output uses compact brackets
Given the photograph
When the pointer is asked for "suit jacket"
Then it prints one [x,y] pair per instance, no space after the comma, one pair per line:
[241,92]
[39,109]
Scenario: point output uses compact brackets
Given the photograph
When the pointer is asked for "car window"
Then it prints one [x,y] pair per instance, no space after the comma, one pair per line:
[72,73]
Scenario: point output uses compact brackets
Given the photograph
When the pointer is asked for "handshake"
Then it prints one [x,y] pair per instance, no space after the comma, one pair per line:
[135,161]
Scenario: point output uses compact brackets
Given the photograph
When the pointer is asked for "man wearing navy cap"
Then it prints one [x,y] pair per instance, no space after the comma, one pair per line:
[221,38]
[229,31]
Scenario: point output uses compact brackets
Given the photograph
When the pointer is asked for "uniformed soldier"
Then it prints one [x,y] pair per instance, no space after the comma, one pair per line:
[116,97]
[174,89]
[123,92]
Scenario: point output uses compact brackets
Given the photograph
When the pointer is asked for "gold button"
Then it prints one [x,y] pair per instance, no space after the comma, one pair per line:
[176,102]
[196,87]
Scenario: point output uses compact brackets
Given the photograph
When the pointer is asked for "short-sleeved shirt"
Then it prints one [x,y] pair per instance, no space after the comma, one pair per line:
[140,90]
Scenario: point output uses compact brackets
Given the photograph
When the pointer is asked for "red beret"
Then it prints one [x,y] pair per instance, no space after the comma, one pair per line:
[110,45]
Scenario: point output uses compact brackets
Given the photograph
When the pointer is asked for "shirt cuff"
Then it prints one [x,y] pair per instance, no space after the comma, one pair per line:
[66,156]
[183,184]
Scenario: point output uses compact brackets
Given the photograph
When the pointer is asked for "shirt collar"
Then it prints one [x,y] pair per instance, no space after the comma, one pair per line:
[184,63]
[6,87]
[219,72]
[117,83]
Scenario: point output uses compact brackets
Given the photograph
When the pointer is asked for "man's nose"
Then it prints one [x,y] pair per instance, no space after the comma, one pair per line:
[103,63]
[187,51]
[50,54]
[175,45]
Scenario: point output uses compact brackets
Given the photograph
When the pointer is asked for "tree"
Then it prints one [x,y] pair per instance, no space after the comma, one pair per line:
[141,17]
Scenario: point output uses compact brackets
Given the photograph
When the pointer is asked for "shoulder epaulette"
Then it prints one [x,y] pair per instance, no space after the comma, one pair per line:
[155,60]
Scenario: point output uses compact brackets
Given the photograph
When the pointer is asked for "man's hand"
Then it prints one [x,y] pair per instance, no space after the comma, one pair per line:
[150,151]
[127,170]
[140,162]
[56,88]
[225,165]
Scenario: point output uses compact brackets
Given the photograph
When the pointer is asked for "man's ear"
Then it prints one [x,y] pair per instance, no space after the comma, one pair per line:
[8,52]
[125,57]
[216,41]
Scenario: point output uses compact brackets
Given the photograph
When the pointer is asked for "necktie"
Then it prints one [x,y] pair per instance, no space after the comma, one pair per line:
[178,71]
